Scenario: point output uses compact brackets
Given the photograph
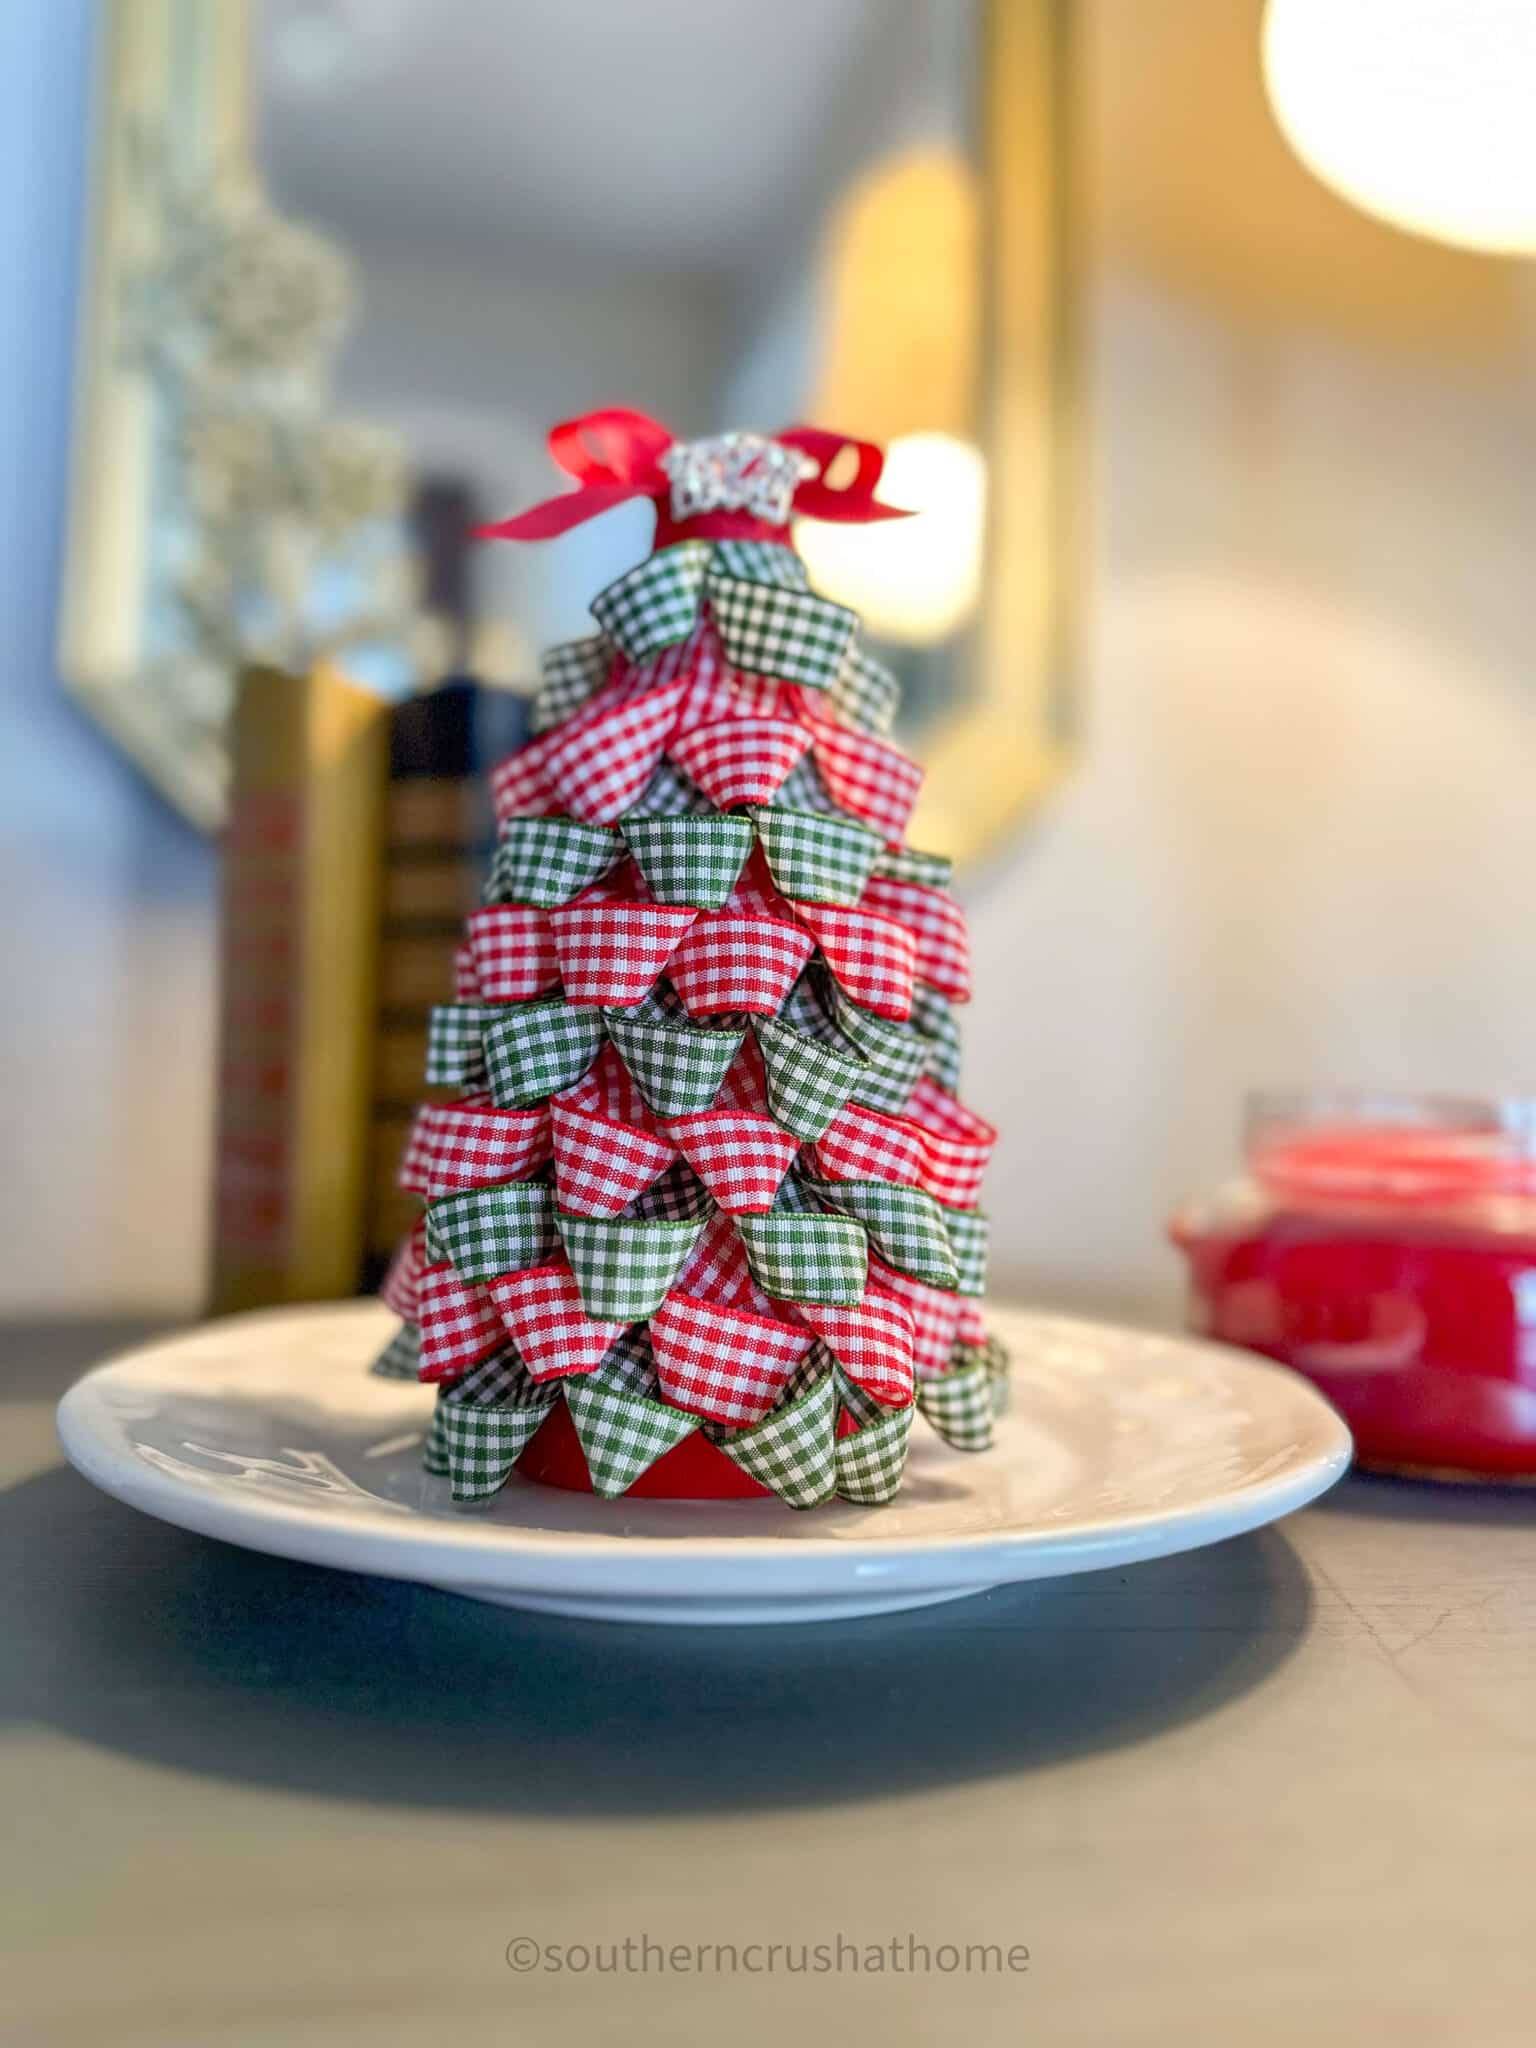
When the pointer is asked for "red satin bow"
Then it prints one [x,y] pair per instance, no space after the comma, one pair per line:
[615,455]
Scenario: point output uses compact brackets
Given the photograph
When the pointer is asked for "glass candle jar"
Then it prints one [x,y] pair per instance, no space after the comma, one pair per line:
[1385,1246]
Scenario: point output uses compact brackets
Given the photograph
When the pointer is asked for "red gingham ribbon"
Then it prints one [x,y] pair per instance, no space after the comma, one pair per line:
[866,775]
[541,1307]
[937,922]
[466,983]
[872,1340]
[972,1325]
[740,1157]
[873,958]
[740,760]
[864,1144]
[514,951]
[717,1270]
[453,1146]
[956,1144]
[459,1325]
[597,763]
[717,691]
[400,1288]
[600,1164]
[609,1089]
[935,1315]
[720,1363]
[731,962]
[613,952]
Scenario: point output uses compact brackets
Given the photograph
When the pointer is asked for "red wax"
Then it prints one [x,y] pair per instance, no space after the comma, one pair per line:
[1398,1272]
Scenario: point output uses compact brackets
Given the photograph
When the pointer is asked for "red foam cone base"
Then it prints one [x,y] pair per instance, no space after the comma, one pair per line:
[691,1470]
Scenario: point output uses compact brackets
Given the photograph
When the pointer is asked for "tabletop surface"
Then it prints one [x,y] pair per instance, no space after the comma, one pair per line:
[1279,1791]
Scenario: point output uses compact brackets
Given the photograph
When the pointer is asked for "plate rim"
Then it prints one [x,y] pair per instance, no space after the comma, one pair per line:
[509,1557]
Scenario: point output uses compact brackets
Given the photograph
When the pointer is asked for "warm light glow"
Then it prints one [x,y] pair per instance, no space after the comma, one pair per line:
[1420,111]
[914,580]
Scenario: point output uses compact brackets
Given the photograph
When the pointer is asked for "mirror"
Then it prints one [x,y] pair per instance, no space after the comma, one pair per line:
[848,211]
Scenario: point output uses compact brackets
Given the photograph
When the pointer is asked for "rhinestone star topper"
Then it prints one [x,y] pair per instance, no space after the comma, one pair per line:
[735,473]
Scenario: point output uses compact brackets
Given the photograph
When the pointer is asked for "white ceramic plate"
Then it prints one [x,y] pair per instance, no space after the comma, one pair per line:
[266,1430]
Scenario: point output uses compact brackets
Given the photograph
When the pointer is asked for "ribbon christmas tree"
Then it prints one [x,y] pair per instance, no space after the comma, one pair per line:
[700,1218]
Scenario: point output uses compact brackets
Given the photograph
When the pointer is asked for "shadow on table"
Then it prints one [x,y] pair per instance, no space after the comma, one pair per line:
[1456,1503]
[188,1653]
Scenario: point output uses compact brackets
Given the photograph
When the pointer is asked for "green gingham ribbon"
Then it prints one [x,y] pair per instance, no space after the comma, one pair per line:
[871,1461]
[669,794]
[624,1265]
[482,1443]
[803,790]
[815,858]
[687,859]
[933,1016]
[489,1231]
[992,1356]
[656,602]
[455,1056]
[547,861]
[793,635]
[894,1056]
[792,1451]
[808,1081]
[533,1050]
[758,561]
[679,1195]
[966,1230]
[678,1068]
[906,864]
[434,1449]
[401,1357]
[628,1366]
[806,1258]
[959,1405]
[572,672]
[621,1434]
[905,1224]
[866,692]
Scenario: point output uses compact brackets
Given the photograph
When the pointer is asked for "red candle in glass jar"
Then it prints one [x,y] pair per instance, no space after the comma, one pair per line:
[1385,1246]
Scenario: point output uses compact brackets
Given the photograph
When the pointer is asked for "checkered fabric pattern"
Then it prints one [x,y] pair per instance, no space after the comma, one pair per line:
[863,1144]
[873,958]
[601,1165]
[630,1367]
[723,1363]
[624,1265]
[740,1157]
[678,1067]
[906,864]
[865,691]
[401,1357]
[956,1145]
[809,1008]
[611,953]
[679,1196]
[608,1089]
[904,1224]
[937,924]
[806,1258]
[790,634]
[871,1461]
[868,776]
[794,1452]
[400,1288]
[933,1017]
[967,1232]
[602,760]
[732,963]
[718,1272]
[656,602]
[572,672]
[669,794]
[689,860]
[434,1449]
[622,1435]
[861,1406]
[546,861]
[758,561]
[481,1442]
[716,691]
[520,786]
[553,1333]
[808,1082]
[514,952]
[459,1324]
[871,1340]
[454,1055]
[739,760]
[959,1405]
[453,1146]
[894,1058]
[803,790]
[935,1313]
[489,1231]
[815,858]
[533,1050]
[466,985]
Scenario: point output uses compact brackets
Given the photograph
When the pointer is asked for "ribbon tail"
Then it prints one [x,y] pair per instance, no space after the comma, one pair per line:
[855,504]
[558,515]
